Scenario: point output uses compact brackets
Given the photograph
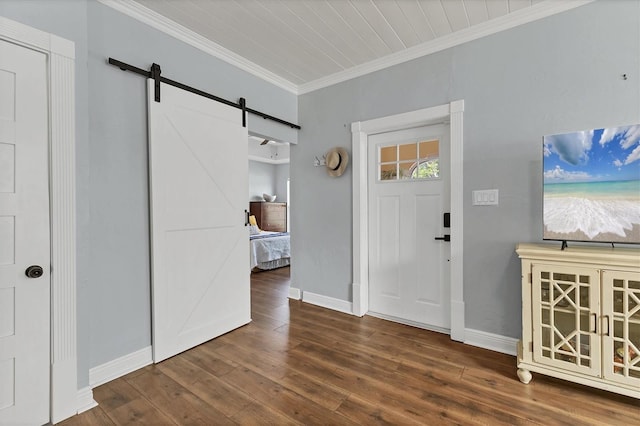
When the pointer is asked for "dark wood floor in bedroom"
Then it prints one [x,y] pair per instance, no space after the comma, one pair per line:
[301,364]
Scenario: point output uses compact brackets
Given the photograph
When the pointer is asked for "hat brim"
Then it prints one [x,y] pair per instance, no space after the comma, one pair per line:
[344,162]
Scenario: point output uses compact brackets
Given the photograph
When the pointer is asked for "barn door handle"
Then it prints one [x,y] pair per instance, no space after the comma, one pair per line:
[246,217]
[444,238]
[34,271]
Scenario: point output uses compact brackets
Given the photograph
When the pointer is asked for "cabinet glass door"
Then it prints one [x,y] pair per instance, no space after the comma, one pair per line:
[621,326]
[565,308]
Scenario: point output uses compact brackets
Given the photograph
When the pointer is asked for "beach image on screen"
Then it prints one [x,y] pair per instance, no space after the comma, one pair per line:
[592,185]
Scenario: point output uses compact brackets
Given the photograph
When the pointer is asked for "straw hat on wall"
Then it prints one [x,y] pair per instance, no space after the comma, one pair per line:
[337,160]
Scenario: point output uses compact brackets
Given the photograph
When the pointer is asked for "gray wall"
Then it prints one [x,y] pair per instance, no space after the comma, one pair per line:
[265,178]
[282,176]
[562,73]
[112,188]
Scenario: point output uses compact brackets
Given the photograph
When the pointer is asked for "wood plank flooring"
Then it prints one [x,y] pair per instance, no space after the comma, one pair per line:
[297,363]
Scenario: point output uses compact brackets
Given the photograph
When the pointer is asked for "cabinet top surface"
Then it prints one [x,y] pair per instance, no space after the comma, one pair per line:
[623,256]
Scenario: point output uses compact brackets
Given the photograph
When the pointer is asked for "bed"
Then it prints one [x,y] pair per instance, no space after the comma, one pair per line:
[269,250]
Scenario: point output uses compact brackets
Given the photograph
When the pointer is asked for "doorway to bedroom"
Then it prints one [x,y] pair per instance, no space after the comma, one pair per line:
[268,203]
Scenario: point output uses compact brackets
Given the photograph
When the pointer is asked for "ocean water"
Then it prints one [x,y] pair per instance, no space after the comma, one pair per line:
[628,190]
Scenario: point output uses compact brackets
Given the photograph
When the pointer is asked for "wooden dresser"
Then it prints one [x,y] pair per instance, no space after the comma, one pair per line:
[270,216]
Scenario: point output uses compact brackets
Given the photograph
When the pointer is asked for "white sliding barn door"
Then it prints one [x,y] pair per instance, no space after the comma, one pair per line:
[200,246]
[24,237]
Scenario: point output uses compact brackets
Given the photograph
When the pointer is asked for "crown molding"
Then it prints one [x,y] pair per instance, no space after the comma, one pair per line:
[523,16]
[172,28]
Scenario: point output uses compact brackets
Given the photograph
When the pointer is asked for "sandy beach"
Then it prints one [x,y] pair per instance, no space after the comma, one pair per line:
[633,235]
[586,219]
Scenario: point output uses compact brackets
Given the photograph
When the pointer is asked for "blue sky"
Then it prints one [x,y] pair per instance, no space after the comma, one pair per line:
[611,154]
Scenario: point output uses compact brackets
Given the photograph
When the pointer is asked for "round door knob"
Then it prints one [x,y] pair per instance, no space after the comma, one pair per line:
[34,271]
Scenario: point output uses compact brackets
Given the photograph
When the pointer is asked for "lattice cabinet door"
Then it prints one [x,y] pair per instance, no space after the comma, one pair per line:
[621,326]
[565,311]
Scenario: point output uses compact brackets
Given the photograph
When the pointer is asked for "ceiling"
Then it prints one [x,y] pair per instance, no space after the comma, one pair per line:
[303,45]
[268,151]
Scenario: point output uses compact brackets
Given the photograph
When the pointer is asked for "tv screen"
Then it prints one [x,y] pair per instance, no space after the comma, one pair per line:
[592,185]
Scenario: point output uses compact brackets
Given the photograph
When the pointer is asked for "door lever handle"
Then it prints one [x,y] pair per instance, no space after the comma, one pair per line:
[444,238]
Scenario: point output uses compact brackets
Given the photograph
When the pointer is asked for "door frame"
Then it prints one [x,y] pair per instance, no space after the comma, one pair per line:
[64,395]
[453,113]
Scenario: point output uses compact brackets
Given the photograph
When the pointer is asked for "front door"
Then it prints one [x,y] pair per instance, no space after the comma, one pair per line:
[200,247]
[408,174]
[24,237]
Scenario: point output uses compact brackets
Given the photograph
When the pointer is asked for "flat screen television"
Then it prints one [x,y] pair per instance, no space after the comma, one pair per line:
[591,189]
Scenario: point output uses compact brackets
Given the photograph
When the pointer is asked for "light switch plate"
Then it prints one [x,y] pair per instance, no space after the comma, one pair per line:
[485,197]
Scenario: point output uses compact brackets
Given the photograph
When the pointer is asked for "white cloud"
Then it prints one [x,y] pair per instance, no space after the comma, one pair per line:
[546,150]
[630,135]
[608,135]
[560,174]
[572,148]
[617,163]
[634,156]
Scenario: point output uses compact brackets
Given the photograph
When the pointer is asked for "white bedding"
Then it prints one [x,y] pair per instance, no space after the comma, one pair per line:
[269,252]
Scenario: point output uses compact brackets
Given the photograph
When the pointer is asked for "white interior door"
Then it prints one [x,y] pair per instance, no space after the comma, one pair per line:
[408,196]
[200,246]
[24,237]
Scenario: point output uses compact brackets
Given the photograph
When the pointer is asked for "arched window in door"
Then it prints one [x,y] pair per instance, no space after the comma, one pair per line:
[411,160]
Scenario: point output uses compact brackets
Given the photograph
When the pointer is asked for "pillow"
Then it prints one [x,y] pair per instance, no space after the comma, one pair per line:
[253,230]
[253,221]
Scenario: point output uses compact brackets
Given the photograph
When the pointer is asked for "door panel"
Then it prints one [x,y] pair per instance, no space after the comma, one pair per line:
[24,237]
[408,195]
[388,251]
[429,209]
[200,246]
[621,327]
[564,321]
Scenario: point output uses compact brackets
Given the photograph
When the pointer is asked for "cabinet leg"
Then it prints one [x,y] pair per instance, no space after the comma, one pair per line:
[524,375]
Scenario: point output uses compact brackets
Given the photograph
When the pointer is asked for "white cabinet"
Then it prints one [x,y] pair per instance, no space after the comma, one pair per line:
[581,315]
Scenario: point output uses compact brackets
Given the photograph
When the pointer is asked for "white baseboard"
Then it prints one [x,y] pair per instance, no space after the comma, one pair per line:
[295,293]
[328,302]
[494,342]
[85,400]
[119,367]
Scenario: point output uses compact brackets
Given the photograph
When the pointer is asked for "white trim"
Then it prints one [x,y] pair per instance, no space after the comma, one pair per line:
[505,22]
[268,160]
[409,322]
[493,342]
[327,302]
[456,116]
[120,366]
[295,293]
[172,28]
[61,82]
[361,130]
[85,400]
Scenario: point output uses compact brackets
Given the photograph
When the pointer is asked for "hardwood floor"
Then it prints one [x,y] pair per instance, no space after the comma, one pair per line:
[301,364]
